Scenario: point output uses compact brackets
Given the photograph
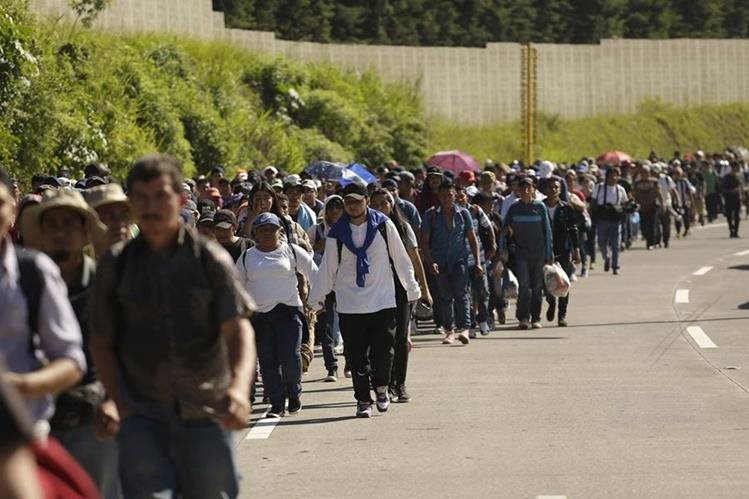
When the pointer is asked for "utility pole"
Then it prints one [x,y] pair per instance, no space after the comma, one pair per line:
[528,87]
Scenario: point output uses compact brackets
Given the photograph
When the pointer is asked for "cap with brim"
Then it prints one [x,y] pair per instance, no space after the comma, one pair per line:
[309,184]
[94,181]
[355,190]
[266,219]
[407,177]
[31,219]
[389,184]
[525,181]
[225,219]
[206,217]
[434,170]
[277,183]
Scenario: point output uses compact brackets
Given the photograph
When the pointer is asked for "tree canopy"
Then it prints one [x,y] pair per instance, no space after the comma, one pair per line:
[475,22]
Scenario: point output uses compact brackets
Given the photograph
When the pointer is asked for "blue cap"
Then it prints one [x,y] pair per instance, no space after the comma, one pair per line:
[266,219]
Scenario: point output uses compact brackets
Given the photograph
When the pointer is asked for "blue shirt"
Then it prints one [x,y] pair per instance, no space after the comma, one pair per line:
[447,246]
[412,214]
[531,230]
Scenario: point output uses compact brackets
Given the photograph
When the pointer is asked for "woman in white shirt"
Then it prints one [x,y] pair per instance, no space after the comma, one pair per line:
[269,270]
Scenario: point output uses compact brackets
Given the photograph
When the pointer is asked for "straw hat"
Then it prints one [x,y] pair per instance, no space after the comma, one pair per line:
[102,195]
[63,198]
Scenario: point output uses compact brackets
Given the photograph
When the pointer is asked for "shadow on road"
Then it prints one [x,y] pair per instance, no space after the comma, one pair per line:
[685,321]
[744,306]
[292,422]
[323,390]
[739,267]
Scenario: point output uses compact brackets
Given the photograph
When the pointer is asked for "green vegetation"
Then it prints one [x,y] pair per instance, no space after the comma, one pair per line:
[69,96]
[476,22]
[655,126]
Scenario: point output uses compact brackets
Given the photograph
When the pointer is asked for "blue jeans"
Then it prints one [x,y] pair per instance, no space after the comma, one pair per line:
[97,457]
[452,283]
[324,330]
[480,294]
[185,459]
[530,275]
[278,335]
[610,234]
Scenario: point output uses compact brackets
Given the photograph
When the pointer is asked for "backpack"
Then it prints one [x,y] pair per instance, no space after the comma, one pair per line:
[32,285]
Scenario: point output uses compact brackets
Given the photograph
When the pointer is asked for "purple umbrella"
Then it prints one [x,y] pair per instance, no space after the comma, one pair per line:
[455,161]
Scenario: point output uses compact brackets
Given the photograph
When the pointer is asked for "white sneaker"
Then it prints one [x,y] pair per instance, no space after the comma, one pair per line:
[484,328]
[439,330]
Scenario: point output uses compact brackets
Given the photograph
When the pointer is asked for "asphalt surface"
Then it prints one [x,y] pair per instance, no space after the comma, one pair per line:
[626,402]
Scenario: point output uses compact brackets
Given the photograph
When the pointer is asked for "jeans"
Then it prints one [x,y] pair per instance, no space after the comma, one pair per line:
[712,202]
[686,218]
[185,459]
[665,221]
[324,330]
[530,275]
[480,294]
[400,344]
[609,235]
[278,335]
[97,457]
[455,307]
[369,336]
[565,261]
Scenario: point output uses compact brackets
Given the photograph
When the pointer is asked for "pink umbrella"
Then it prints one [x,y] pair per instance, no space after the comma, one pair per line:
[613,157]
[455,161]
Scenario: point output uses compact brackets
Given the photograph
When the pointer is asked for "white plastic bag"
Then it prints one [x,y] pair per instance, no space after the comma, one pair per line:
[510,285]
[556,280]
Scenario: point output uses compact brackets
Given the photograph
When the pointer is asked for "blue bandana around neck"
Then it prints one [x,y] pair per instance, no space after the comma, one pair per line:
[341,230]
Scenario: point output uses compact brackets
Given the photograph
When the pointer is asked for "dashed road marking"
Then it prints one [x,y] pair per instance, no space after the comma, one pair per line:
[551,497]
[703,271]
[682,296]
[699,337]
[742,253]
[263,428]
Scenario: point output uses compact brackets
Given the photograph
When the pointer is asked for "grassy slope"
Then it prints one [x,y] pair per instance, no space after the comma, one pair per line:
[655,126]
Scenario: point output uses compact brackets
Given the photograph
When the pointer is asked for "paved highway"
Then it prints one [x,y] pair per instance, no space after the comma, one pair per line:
[646,394]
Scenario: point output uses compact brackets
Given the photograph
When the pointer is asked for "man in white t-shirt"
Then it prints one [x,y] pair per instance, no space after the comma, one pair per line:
[358,265]
[608,200]
[668,193]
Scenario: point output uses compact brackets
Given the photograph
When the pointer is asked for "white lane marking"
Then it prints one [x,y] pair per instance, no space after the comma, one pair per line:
[703,271]
[742,253]
[682,296]
[551,497]
[263,428]
[699,337]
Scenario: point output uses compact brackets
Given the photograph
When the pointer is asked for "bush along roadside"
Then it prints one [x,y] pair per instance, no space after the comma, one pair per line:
[69,96]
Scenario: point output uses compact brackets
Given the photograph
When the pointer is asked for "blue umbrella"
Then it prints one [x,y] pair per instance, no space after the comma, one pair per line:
[362,172]
[326,170]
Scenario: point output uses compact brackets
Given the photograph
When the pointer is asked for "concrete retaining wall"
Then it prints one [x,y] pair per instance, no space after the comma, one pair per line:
[482,85]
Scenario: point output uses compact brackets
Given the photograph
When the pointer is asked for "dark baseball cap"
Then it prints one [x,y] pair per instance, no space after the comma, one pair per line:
[434,170]
[206,217]
[225,219]
[355,190]
[389,184]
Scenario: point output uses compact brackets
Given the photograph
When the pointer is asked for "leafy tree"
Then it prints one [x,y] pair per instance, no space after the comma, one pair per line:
[650,19]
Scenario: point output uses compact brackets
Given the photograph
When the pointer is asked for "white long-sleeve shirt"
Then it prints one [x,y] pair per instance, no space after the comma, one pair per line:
[378,292]
[270,277]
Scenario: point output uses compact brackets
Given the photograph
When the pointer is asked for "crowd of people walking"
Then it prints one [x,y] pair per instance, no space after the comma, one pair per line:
[140,320]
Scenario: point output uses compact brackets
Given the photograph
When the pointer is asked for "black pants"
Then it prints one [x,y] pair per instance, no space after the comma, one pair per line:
[400,357]
[369,335]
[665,219]
[733,214]
[648,220]
[712,202]
[685,218]
[565,261]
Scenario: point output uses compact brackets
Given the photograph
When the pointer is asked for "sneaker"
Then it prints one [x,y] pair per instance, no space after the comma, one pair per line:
[616,271]
[501,317]
[393,391]
[484,328]
[562,322]
[536,325]
[524,325]
[439,330]
[364,410]
[584,273]
[332,376]
[607,265]
[275,412]
[295,405]
[472,333]
[403,395]
[449,338]
[347,373]
[383,401]
[551,310]
[592,266]
[463,336]
[573,277]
